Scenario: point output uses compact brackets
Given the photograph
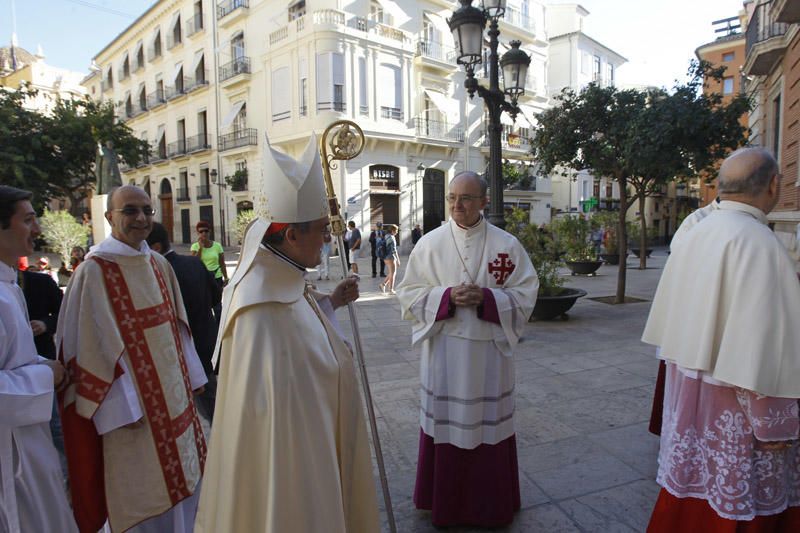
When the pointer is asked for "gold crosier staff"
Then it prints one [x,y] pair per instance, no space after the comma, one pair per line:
[346,142]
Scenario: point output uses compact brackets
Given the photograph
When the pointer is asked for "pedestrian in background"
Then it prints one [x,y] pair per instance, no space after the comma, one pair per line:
[392,259]
[375,243]
[200,295]
[212,255]
[354,243]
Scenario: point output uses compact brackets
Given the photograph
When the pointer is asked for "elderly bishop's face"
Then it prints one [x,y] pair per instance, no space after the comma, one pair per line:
[465,200]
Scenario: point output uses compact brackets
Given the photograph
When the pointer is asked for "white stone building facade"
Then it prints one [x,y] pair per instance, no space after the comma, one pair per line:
[204,82]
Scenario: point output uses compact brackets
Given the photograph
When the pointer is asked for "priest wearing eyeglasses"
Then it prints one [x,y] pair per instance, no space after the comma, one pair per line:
[134,445]
[469,289]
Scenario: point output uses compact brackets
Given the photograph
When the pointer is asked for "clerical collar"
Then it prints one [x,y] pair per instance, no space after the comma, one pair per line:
[758,214]
[283,256]
[475,225]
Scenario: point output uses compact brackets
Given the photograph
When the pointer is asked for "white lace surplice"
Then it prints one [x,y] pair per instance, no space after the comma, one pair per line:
[708,446]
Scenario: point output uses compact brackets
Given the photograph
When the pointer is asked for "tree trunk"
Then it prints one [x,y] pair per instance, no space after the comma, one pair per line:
[622,240]
[642,234]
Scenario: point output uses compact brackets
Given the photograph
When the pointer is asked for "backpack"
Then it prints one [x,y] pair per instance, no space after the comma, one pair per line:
[381,242]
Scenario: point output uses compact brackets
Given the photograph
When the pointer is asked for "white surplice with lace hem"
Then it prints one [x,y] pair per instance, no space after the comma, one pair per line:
[709,446]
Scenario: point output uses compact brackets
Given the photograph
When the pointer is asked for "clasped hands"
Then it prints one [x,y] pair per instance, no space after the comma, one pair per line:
[466,295]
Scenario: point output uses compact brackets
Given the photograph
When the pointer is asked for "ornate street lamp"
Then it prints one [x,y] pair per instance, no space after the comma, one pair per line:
[467,25]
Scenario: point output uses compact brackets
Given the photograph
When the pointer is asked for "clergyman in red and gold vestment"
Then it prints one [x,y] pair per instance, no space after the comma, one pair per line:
[134,444]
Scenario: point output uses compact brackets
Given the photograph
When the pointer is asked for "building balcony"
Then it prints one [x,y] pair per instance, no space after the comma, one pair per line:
[139,109]
[332,106]
[174,40]
[786,11]
[193,84]
[516,18]
[204,192]
[764,41]
[176,149]
[435,129]
[233,72]
[392,113]
[194,25]
[238,139]
[183,194]
[158,156]
[510,142]
[156,99]
[198,143]
[437,54]
[154,53]
[179,89]
[229,11]
[239,185]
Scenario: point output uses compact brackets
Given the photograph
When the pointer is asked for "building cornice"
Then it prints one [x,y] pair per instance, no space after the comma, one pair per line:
[581,34]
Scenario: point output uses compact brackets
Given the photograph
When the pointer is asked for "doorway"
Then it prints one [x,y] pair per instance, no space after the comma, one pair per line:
[165,199]
[432,199]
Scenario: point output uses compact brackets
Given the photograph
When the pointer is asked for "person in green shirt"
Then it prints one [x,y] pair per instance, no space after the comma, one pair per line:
[210,252]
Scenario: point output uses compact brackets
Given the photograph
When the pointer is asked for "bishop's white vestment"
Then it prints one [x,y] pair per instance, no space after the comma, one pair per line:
[32,494]
[288,448]
[124,337]
[466,369]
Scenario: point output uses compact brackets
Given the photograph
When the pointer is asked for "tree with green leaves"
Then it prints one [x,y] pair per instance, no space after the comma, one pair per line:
[76,129]
[53,154]
[641,139]
[24,144]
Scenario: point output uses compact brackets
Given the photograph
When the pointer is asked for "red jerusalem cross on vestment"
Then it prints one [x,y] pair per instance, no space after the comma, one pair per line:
[501,268]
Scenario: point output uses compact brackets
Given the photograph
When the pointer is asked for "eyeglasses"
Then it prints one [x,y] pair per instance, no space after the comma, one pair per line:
[464,198]
[132,210]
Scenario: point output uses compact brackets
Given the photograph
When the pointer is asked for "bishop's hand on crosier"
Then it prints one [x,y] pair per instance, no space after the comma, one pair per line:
[466,295]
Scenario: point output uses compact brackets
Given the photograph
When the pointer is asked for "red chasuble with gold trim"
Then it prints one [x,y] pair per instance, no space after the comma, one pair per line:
[126,309]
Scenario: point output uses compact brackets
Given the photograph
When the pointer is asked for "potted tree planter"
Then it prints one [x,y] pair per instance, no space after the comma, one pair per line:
[549,307]
[553,299]
[583,267]
[574,236]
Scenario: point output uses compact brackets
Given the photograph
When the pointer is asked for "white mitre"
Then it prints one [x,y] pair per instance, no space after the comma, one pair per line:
[291,191]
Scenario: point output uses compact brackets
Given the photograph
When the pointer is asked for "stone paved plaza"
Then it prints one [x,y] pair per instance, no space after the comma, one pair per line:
[583,396]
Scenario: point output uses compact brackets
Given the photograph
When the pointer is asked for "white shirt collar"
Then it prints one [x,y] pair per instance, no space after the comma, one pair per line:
[113,246]
[758,214]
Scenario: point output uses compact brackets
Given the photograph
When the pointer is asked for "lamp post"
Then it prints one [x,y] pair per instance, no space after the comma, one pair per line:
[467,25]
[220,186]
[419,175]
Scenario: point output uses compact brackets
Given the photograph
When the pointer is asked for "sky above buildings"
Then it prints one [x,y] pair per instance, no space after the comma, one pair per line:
[658,38]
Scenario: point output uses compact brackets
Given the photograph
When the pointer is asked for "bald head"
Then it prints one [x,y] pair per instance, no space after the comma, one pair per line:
[468,176]
[467,198]
[747,171]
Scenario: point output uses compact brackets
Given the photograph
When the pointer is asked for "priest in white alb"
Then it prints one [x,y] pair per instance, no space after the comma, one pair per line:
[134,444]
[469,289]
[288,449]
[725,317]
[32,496]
